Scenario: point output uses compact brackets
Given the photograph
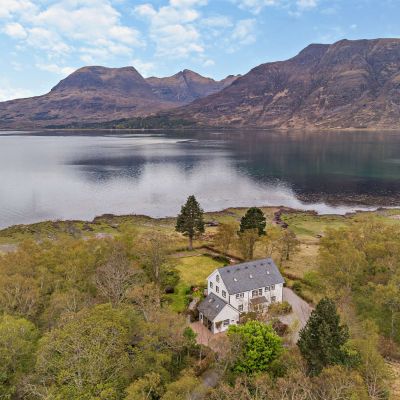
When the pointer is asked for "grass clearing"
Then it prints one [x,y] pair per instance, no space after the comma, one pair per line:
[194,270]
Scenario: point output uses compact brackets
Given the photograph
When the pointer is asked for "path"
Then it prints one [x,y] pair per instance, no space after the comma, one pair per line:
[301,311]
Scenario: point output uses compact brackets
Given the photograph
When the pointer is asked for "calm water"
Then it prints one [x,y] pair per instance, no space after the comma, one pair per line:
[81,175]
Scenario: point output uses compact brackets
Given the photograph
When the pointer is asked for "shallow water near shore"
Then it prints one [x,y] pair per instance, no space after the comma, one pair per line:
[82,174]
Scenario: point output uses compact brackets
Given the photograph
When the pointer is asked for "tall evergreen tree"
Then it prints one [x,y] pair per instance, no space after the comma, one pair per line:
[322,340]
[253,219]
[190,220]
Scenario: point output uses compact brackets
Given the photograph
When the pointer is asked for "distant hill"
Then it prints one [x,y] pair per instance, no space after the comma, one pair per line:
[97,94]
[186,86]
[349,84]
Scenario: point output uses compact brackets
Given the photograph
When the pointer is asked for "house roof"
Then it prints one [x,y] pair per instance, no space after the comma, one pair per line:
[211,306]
[250,275]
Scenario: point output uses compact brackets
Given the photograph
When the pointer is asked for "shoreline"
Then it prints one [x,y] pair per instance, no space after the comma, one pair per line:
[207,214]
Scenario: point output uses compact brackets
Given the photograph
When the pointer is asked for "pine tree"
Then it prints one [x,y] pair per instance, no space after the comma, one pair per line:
[322,340]
[190,220]
[253,219]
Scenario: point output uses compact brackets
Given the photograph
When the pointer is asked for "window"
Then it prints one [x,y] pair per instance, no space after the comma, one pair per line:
[273,299]
[260,292]
[217,278]
[226,322]
[242,295]
[241,307]
[217,289]
[223,293]
[211,285]
[267,288]
[238,295]
[272,287]
[254,293]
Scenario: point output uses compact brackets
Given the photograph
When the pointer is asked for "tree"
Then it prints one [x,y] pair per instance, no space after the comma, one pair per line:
[190,220]
[153,249]
[18,339]
[225,236]
[88,356]
[246,243]
[261,346]
[147,388]
[114,277]
[187,387]
[272,240]
[289,244]
[322,340]
[388,296]
[253,219]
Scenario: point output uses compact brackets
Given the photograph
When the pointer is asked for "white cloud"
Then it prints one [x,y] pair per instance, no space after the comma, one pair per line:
[144,68]
[208,63]
[8,92]
[56,69]
[293,6]
[8,8]
[70,25]
[244,32]
[173,27]
[255,6]
[15,30]
[304,4]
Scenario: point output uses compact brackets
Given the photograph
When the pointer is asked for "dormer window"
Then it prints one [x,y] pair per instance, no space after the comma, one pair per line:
[217,278]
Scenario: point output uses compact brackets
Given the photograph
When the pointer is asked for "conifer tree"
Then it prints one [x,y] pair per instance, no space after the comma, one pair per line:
[190,220]
[322,340]
[253,219]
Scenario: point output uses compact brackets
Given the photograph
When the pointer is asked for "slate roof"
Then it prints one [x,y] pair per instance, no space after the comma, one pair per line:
[250,275]
[211,306]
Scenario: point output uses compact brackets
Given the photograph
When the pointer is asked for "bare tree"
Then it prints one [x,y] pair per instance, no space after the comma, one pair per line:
[153,250]
[114,277]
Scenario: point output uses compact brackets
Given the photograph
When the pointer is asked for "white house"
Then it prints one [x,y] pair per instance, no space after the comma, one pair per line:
[240,288]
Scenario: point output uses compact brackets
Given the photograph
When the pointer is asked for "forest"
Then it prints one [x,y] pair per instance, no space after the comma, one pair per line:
[99,310]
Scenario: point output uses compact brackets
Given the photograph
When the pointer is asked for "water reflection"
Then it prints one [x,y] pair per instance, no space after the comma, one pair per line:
[63,176]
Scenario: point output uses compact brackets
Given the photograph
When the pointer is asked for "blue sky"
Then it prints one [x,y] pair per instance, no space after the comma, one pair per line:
[42,41]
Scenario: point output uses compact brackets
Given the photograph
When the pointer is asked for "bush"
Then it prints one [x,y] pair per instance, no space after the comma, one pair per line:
[280,328]
[280,308]
[297,287]
[312,279]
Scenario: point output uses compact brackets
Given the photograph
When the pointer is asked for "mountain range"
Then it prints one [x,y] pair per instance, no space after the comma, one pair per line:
[345,85]
[97,94]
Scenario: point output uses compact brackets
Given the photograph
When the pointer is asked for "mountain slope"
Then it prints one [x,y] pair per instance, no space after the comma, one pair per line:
[98,94]
[186,86]
[349,84]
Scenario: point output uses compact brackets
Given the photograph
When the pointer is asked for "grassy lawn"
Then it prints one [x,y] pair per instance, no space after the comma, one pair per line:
[193,270]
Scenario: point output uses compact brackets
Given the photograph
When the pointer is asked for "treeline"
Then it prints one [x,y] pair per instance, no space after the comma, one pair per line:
[150,122]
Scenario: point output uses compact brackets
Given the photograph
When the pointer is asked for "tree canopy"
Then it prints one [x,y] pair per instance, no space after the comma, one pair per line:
[260,346]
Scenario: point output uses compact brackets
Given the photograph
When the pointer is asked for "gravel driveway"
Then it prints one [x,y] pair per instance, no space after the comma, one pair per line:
[301,311]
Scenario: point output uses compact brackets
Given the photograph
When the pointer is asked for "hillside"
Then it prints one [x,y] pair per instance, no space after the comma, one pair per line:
[98,94]
[349,84]
[186,86]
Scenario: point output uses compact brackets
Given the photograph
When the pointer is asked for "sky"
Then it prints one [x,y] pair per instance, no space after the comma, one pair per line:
[42,41]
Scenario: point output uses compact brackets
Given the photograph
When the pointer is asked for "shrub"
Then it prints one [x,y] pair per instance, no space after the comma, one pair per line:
[297,287]
[280,308]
